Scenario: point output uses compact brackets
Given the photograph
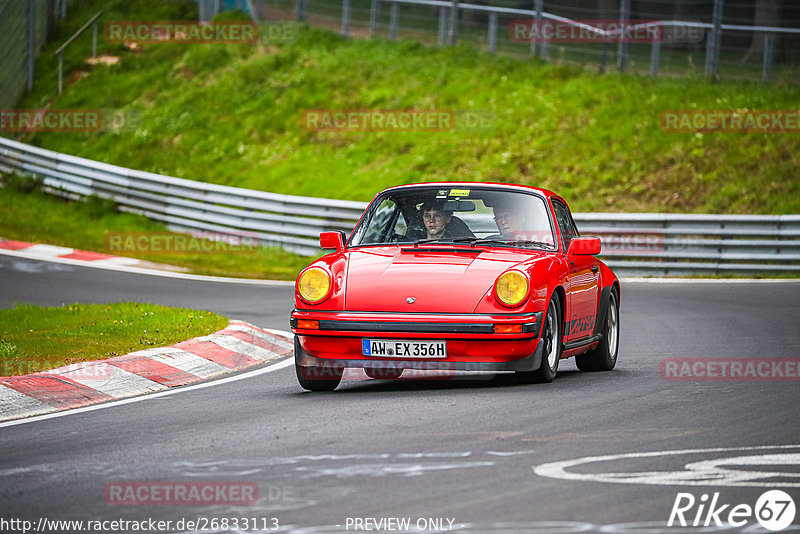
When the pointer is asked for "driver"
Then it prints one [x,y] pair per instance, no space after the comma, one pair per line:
[440,222]
[436,220]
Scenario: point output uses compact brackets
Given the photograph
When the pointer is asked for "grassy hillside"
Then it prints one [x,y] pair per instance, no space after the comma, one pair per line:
[232,114]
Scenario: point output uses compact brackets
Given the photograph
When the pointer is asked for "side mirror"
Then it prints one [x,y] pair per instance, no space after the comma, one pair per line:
[332,240]
[584,246]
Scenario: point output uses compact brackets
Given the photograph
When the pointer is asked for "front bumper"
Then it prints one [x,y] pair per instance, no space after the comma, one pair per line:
[473,340]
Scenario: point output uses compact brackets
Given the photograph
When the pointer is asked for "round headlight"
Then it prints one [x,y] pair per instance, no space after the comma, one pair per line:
[511,288]
[314,284]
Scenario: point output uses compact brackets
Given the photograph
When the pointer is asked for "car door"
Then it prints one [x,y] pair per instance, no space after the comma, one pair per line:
[582,285]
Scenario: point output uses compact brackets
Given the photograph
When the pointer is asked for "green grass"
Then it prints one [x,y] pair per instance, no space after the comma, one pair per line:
[40,218]
[231,114]
[34,338]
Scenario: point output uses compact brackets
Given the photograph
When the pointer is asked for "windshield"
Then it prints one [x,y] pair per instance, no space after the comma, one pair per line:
[481,216]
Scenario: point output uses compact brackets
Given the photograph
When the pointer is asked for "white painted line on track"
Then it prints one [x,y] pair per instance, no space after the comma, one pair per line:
[719,471]
[282,364]
[140,270]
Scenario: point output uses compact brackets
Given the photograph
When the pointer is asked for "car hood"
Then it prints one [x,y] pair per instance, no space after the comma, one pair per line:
[440,279]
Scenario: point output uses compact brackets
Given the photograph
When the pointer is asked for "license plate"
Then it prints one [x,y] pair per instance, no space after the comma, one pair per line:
[391,348]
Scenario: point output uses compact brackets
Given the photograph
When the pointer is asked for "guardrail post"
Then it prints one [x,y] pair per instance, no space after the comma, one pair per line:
[537,18]
[60,71]
[301,10]
[543,45]
[374,17]
[622,44]
[492,32]
[769,47]
[604,58]
[63,9]
[713,41]
[94,39]
[454,23]
[393,16]
[442,26]
[655,54]
[345,17]
[31,58]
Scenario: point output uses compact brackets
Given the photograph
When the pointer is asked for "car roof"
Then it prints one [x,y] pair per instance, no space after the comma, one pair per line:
[468,185]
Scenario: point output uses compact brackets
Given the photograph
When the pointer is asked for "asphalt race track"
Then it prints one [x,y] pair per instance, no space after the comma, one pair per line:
[476,453]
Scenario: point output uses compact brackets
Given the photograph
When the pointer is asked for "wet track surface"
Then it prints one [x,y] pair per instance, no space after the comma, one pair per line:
[469,449]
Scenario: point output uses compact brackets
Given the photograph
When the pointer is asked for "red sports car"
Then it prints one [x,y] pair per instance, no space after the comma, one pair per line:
[456,276]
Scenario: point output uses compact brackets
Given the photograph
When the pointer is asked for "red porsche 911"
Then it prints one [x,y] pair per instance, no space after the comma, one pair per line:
[456,276]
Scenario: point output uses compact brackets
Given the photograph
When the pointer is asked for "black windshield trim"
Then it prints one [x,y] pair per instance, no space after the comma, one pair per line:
[424,187]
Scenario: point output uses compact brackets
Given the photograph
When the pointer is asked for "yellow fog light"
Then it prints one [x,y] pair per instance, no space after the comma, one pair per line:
[314,285]
[511,288]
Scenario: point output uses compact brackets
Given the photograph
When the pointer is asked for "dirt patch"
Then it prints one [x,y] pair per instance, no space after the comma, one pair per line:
[103,60]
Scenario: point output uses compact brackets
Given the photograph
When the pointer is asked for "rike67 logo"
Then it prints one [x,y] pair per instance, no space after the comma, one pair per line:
[774,510]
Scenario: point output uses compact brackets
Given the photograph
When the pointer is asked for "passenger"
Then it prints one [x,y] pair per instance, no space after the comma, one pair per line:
[510,220]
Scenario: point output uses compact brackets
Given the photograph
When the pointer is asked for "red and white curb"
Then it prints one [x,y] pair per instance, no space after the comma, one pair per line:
[238,346]
[85,258]
[47,252]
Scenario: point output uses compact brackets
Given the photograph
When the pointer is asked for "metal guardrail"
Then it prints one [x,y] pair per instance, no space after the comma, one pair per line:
[291,222]
[639,243]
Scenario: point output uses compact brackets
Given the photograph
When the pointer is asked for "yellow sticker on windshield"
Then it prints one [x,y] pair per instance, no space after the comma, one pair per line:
[459,192]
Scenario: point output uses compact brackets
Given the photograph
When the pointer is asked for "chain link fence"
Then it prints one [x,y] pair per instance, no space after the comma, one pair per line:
[24,27]
[756,40]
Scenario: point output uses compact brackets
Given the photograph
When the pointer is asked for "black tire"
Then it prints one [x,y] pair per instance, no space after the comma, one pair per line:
[604,356]
[551,352]
[383,373]
[322,378]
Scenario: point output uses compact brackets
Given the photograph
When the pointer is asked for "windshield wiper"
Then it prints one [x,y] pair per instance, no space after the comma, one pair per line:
[481,241]
[473,241]
[418,242]
[534,243]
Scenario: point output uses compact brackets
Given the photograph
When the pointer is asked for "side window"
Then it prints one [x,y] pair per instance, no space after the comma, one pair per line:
[386,221]
[565,223]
